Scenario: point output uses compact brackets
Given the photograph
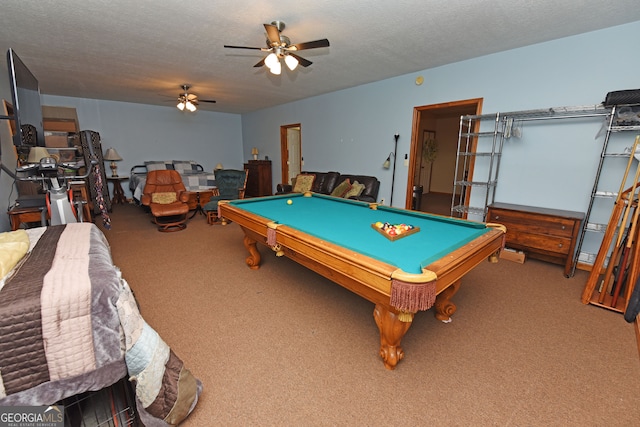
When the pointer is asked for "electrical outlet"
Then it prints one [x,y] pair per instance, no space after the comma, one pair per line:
[382,201]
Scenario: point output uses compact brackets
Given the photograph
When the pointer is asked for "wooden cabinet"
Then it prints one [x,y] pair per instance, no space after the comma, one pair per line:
[545,234]
[29,215]
[259,179]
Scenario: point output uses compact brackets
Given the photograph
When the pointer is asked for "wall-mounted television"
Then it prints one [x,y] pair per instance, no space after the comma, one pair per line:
[27,108]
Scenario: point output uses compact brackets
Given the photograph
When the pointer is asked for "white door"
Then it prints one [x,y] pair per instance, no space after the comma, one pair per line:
[293,147]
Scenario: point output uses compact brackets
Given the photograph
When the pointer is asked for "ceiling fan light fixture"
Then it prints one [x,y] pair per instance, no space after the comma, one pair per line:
[291,62]
[190,106]
[276,69]
[279,46]
[271,60]
[180,105]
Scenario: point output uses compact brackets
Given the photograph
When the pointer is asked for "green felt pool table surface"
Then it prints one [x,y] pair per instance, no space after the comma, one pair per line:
[335,238]
[348,223]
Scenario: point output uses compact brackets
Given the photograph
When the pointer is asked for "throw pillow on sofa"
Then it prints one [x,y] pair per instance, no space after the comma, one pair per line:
[355,191]
[304,183]
[342,188]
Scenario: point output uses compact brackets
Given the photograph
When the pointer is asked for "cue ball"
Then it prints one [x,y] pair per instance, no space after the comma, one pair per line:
[289,202]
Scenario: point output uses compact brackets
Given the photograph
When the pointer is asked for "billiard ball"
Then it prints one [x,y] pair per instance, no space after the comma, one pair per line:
[289,202]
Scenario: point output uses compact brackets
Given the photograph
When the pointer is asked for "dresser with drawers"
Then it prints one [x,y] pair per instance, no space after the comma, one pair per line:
[542,233]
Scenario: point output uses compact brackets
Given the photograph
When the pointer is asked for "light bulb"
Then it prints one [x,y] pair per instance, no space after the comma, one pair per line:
[291,62]
[271,60]
[190,106]
[276,69]
[180,106]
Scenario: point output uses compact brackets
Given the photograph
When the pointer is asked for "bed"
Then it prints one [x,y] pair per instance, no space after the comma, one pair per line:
[194,177]
[69,323]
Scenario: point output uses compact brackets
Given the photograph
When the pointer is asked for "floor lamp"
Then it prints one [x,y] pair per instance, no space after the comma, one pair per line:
[387,164]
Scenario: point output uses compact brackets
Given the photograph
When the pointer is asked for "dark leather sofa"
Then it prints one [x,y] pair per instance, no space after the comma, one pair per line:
[325,182]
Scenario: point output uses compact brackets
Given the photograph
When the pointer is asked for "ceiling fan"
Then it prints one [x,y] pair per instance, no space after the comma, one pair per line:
[279,46]
[189,101]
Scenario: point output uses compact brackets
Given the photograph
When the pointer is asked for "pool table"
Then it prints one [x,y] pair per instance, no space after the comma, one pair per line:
[336,238]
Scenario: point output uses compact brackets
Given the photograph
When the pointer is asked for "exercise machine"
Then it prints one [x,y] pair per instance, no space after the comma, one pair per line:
[59,200]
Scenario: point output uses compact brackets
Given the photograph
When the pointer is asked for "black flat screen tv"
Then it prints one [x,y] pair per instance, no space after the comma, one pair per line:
[27,108]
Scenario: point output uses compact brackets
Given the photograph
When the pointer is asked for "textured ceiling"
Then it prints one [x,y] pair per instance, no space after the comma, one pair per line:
[142,51]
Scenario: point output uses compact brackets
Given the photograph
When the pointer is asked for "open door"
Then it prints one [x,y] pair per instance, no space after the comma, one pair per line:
[290,151]
[434,145]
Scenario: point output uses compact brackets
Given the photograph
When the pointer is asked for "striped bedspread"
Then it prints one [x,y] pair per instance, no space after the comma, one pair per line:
[69,323]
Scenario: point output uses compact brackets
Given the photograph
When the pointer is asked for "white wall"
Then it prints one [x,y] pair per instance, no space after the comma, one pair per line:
[144,132]
[443,169]
[352,130]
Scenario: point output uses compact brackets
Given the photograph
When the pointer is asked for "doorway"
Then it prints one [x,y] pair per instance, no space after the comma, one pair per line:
[290,151]
[434,146]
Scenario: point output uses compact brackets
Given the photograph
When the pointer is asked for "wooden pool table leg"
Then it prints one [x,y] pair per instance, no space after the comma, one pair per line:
[391,332]
[253,260]
[443,306]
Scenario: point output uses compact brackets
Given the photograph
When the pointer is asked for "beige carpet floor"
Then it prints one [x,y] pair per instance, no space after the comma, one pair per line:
[284,346]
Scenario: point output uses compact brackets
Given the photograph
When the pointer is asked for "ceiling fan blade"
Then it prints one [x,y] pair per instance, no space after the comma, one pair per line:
[242,47]
[273,34]
[311,45]
[212,101]
[301,60]
[260,64]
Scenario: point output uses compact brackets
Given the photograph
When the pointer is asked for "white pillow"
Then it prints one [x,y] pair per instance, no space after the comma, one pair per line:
[13,247]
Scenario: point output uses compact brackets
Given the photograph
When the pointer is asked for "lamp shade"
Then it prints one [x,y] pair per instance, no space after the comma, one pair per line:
[37,153]
[271,60]
[219,167]
[276,69]
[387,163]
[188,105]
[112,155]
[291,62]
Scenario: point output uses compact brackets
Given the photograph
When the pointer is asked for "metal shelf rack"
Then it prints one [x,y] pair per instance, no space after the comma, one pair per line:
[471,150]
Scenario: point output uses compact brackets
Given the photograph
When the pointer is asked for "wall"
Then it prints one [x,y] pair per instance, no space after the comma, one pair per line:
[8,158]
[445,164]
[143,132]
[352,130]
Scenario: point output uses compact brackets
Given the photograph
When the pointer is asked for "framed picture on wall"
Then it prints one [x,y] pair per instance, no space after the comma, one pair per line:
[429,145]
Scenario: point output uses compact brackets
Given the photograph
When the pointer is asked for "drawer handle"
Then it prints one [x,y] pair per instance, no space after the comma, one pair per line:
[497,216]
[559,245]
[564,227]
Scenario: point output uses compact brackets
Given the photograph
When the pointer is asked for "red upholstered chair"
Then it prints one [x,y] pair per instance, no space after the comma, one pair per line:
[165,194]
